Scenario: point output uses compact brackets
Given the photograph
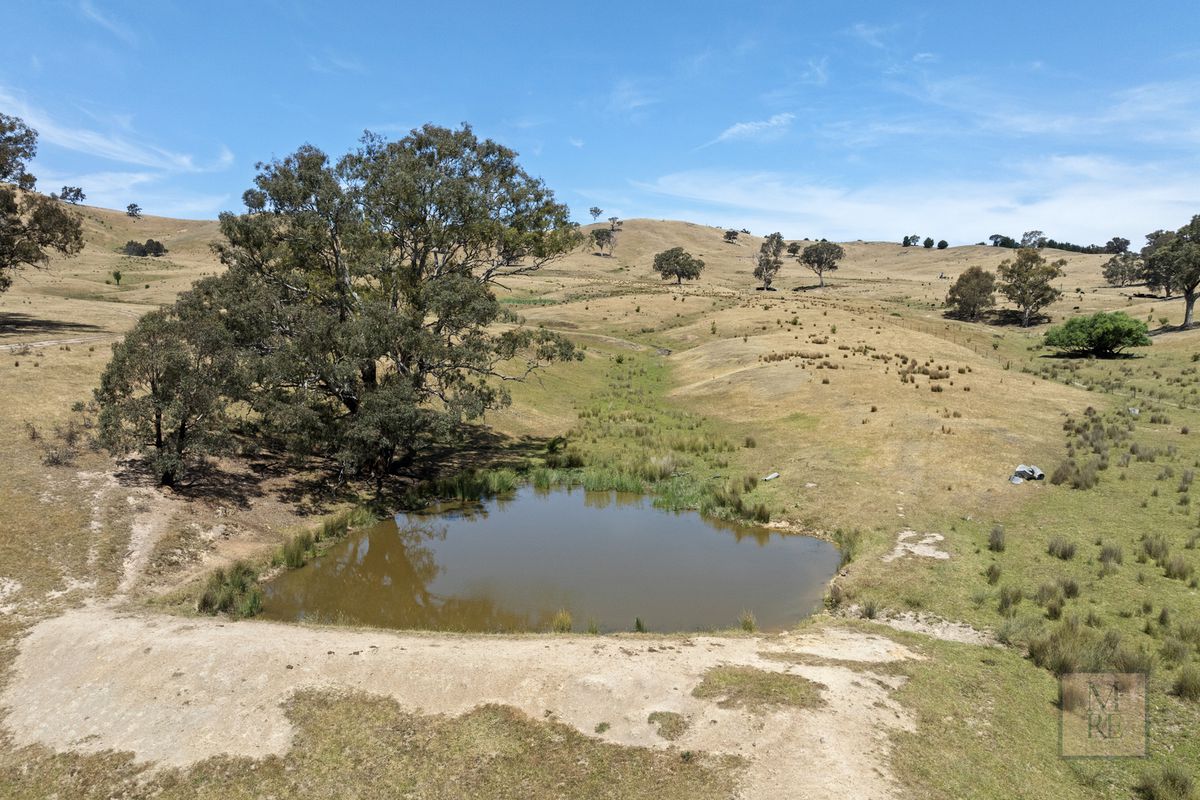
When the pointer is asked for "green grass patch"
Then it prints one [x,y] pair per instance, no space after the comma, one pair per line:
[758,690]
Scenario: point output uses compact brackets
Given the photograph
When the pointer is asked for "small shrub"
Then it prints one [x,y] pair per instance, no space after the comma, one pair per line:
[747,622]
[638,625]
[993,573]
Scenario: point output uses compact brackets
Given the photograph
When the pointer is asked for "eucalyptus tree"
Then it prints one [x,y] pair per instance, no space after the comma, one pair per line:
[32,226]
[822,257]
[1027,281]
[679,264]
[1172,262]
[359,294]
[770,259]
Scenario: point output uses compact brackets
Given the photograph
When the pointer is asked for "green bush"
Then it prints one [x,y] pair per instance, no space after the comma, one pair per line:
[1101,334]
[232,591]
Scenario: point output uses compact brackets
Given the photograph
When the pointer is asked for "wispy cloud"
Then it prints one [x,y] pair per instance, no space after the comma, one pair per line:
[872,35]
[111,146]
[816,73]
[759,130]
[1080,198]
[330,63]
[575,141]
[628,96]
[93,14]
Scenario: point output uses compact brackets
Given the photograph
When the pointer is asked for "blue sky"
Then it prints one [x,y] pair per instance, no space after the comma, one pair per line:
[848,120]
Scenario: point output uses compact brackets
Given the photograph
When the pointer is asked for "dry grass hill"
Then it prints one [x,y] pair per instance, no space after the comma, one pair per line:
[894,430]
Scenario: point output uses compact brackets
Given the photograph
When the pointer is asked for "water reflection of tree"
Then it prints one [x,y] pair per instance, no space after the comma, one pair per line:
[383,578]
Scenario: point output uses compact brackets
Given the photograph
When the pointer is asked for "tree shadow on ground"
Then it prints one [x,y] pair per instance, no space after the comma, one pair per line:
[210,481]
[314,487]
[16,323]
[1011,318]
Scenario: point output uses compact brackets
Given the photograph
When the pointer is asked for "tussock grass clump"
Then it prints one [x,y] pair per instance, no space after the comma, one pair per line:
[993,574]
[234,591]
[671,725]
[757,690]
[295,550]
[603,479]
[1156,548]
[747,621]
[1187,683]
[1178,568]
[1061,548]
[996,541]
[1189,631]
[1071,647]
[561,622]
[1111,554]
[848,543]
[1175,651]
[1172,782]
[1010,597]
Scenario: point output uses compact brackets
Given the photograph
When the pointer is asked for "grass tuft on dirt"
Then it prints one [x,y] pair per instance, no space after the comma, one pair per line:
[757,690]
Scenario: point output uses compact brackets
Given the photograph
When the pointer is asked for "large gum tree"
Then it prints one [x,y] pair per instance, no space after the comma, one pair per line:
[359,293]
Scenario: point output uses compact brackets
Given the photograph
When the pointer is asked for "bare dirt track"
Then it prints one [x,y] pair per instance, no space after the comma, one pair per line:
[176,691]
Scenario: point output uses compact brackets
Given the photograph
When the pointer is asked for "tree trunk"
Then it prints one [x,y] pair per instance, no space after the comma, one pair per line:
[821,279]
[679,280]
[1189,300]
[1025,313]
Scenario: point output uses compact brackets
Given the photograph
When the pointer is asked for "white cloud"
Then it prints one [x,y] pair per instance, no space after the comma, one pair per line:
[817,72]
[765,129]
[1083,199]
[628,96]
[331,63]
[91,13]
[575,142]
[109,146]
[869,34]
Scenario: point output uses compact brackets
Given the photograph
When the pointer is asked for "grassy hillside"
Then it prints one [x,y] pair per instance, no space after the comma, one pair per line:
[880,415]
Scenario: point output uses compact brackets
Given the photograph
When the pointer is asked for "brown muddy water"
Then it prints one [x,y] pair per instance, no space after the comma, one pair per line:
[510,564]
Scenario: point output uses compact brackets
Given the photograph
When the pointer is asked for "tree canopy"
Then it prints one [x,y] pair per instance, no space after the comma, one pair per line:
[1173,263]
[1102,334]
[679,264]
[71,194]
[604,240]
[163,394]
[358,296]
[31,225]
[1123,269]
[1026,282]
[822,257]
[770,259]
[973,293]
